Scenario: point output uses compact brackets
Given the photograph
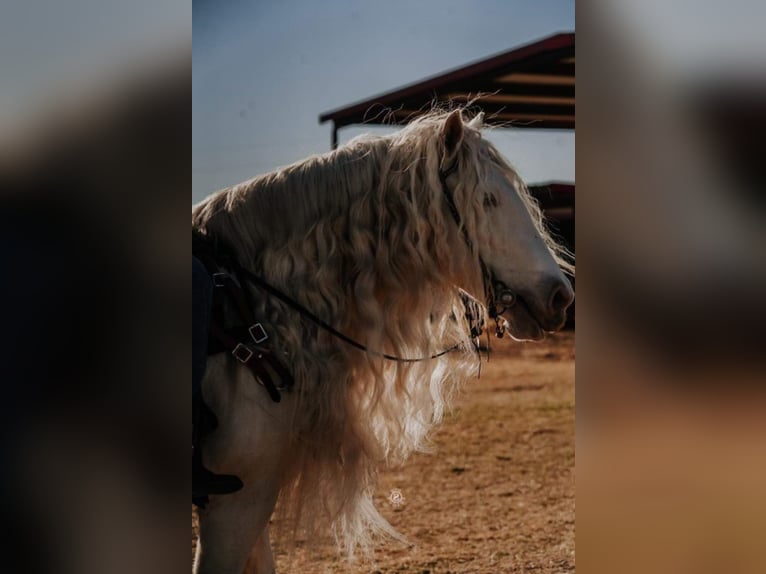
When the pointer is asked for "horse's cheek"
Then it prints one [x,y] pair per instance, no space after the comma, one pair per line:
[497,240]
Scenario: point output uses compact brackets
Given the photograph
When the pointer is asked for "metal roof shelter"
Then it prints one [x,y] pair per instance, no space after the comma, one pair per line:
[532,86]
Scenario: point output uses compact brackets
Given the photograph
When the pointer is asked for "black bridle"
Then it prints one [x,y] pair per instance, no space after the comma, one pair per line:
[290,302]
[492,284]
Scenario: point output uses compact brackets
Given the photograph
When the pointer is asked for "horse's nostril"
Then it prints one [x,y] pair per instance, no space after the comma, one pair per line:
[561,298]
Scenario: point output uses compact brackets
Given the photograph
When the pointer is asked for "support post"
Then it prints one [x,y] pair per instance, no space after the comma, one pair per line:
[334,136]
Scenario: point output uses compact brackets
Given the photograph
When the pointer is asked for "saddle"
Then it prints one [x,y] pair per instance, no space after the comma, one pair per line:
[234,326]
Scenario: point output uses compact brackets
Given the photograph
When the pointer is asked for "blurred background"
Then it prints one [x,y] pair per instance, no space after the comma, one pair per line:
[95,104]
[671,265]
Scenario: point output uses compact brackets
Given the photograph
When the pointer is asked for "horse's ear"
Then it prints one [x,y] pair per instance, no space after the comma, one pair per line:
[477,122]
[452,134]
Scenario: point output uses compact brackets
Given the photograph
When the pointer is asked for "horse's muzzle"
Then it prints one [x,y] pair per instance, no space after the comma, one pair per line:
[542,310]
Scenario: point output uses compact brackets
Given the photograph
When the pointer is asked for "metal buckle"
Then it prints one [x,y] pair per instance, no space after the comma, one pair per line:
[261,336]
[219,279]
[242,353]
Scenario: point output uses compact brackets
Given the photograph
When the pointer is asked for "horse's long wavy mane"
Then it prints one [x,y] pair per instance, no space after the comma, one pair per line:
[360,236]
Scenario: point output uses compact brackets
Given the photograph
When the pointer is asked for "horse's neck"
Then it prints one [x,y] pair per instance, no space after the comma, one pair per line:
[294,213]
[314,191]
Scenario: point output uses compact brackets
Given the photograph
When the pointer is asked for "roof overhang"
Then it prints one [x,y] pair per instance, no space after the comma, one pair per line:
[532,86]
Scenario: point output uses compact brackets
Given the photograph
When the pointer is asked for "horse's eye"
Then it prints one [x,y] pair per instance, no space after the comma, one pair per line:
[490,200]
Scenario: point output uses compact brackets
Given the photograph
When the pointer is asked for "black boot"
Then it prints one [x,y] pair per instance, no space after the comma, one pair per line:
[204,481]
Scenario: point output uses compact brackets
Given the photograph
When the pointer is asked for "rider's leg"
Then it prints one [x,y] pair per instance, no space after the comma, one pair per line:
[204,482]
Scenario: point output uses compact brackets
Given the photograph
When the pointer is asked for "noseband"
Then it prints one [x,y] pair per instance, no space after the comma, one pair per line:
[495,290]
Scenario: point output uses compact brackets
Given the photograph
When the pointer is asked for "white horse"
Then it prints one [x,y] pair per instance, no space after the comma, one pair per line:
[374,238]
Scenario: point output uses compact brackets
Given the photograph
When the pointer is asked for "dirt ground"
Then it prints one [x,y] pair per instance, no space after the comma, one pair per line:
[497,494]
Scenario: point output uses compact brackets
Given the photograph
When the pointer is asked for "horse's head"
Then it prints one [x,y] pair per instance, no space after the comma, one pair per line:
[509,235]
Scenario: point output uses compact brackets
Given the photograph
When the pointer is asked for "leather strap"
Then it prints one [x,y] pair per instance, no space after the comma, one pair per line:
[253,359]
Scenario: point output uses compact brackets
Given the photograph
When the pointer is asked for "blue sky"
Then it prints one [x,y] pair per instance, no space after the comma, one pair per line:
[264,71]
